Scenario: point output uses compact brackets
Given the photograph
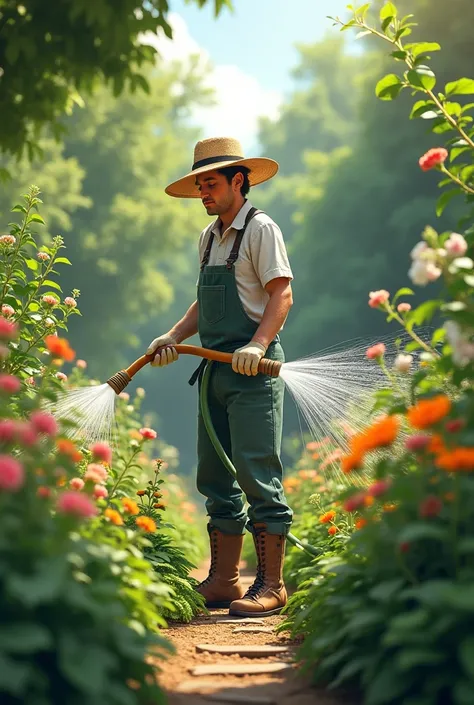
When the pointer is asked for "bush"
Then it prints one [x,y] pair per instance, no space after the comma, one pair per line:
[392,614]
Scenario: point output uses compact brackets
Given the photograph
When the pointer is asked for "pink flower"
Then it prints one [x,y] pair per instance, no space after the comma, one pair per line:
[375,351]
[82,364]
[76,503]
[430,507]
[50,300]
[43,492]
[69,301]
[31,380]
[378,488]
[43,256]
[9,384]
[404,307]
[377,298]
[61,376]
[26,433]
[124,395]
[455,245]
[8,330]
[7,310]
[100,492]
[96,473]
[76,483]
[433,158]
[102,451]
[417,442]
[7,430]
[12,474]
[355,502]
[7,239]
[148,433]
[44,423]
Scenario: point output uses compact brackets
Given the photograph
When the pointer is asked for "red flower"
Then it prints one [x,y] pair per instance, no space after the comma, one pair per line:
[430,507]
[354,502]
[375,351]
[379,488]
[432,158]
[455,425]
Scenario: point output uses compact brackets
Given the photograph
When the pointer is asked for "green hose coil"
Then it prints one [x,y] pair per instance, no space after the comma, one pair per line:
[303,545]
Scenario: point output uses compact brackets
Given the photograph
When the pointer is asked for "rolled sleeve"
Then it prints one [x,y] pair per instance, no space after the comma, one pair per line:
[269,253]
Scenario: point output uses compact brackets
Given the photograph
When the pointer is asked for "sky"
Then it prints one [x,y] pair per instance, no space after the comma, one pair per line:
[252,52]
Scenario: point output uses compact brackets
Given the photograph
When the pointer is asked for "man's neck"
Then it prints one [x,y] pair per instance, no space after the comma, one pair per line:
[228,218]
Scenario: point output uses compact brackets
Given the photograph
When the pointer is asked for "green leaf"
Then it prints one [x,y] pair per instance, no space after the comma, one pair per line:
[388,11]
[411,658]
[18,208]
[43,584]
[53,285]
[422,47]
[399,55]
[24,638]
[466,655]
[422,77]
[404,291]
[386,590]
[86,668]
[438,336]
[388,87]
[463,86]
[62,260]
[386,686]
[13,676]
[32,264]
[421,530]
[36,218]
[469,279]
[421,107]
[444,199]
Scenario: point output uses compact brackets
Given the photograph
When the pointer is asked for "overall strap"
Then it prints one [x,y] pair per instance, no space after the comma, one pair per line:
[207,251]
[234,253]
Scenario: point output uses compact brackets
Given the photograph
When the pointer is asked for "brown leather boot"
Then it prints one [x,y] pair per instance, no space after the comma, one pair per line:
[267,595]
[222,585]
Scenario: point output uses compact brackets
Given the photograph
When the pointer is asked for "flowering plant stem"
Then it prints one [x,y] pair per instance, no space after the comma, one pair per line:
[123,473]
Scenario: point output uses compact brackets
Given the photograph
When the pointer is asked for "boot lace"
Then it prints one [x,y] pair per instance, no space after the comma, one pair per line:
[259,583]
[212,567]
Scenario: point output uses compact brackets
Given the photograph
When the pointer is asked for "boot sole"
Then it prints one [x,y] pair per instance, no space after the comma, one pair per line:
[257,615]
[218,605]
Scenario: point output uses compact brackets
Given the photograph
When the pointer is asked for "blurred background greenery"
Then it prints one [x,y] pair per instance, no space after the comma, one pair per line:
[350,202]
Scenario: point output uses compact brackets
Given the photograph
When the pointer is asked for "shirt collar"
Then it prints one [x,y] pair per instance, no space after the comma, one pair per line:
[238,222]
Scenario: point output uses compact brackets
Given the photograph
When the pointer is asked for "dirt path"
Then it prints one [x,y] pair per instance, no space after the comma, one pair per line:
[284,687]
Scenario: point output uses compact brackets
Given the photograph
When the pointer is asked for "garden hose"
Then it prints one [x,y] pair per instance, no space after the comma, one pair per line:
[203,400]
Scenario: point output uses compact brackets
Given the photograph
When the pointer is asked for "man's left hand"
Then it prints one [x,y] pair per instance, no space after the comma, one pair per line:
[245,359]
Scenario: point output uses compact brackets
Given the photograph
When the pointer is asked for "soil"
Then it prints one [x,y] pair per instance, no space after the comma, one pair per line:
[286,687]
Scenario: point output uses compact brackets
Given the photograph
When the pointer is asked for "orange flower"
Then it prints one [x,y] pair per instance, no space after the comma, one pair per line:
[389,507]
[368,500]
[130,506]
[428,412]
[140,493]
[332,530]
[59,347]
[449,496]
[327,517]
[381,433]
[336,454]
[146,523]
[436,445]
[67,447]
[351,462]
[113,516]
[307,474]
[360,523]
[456,459]
[159,505]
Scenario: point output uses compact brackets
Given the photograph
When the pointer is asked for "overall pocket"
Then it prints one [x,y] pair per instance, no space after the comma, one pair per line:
[212,303]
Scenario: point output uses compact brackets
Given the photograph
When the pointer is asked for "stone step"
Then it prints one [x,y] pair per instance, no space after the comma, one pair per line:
[244,669]
[243,649]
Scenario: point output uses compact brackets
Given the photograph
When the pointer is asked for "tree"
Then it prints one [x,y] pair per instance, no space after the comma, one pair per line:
[52,55]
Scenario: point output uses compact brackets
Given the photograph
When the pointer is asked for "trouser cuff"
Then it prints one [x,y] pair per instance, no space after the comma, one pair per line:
[274,527]
[229,526]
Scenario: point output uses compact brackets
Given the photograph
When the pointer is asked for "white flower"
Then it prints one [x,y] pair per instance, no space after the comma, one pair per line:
[427,357]
[403,362]
[49,322]
[462,344]
[418,249]
[422,273]
[456,245]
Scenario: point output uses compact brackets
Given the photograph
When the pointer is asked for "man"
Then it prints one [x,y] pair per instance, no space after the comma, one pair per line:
[243,298]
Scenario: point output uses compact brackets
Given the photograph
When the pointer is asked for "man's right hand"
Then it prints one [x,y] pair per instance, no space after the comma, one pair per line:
[167,354]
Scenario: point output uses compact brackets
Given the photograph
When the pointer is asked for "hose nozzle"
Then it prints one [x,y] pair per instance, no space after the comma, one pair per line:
[119,381]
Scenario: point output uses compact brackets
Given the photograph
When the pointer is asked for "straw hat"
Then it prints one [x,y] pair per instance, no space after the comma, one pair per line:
[217,153]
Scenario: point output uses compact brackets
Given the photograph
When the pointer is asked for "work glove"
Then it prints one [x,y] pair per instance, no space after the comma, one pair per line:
[245,359]
[167,354]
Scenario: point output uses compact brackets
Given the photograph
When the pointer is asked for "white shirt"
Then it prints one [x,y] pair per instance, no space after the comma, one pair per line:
[262,257]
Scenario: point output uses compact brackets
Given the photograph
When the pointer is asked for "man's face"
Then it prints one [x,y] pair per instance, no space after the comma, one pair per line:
[217,195]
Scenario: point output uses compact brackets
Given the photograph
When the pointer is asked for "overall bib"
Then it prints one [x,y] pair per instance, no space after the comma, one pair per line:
[246,411]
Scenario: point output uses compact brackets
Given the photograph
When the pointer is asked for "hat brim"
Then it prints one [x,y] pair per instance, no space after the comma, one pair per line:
[261,169]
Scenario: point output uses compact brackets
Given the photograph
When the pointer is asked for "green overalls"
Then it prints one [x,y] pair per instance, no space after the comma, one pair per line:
[245,411]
